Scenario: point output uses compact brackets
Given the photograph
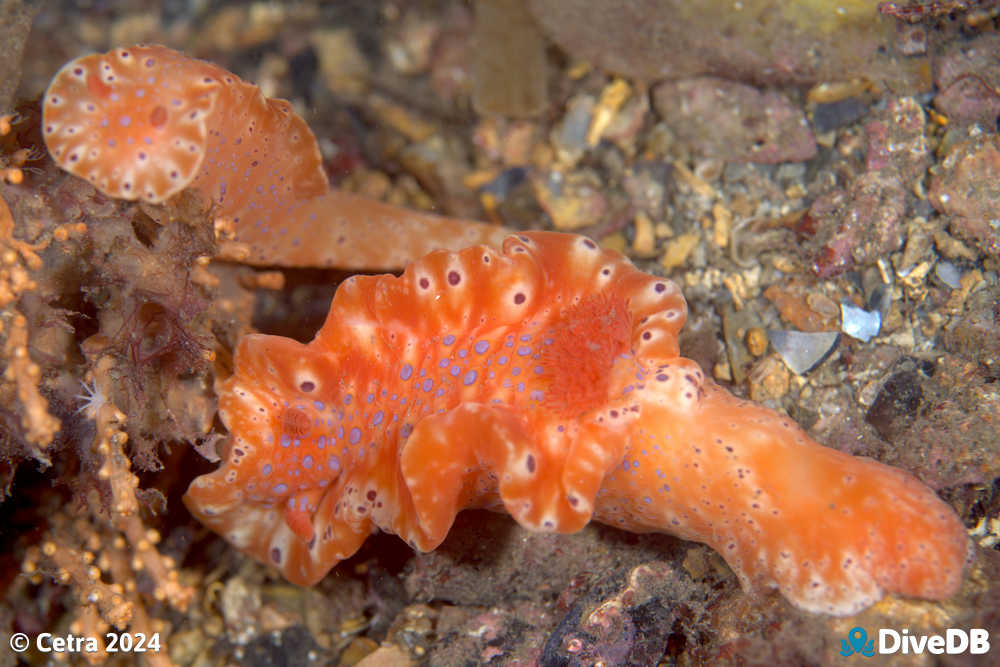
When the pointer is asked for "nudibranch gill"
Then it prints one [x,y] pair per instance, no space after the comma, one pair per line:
[545,380]
[146,122]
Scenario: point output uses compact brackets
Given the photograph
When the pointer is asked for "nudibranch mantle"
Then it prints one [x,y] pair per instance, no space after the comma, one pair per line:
[545,380]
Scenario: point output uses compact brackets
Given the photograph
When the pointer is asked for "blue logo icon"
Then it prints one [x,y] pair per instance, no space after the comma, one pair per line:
[857,642]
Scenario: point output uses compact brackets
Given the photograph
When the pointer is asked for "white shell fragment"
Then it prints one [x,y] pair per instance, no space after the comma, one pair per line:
[803,351]
[859,323]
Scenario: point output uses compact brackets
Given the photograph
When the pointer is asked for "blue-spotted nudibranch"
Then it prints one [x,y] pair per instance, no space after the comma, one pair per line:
[545,380]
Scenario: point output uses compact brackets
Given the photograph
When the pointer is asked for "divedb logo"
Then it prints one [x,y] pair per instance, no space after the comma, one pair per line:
[975,641]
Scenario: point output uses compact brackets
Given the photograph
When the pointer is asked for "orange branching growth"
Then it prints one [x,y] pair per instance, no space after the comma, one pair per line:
[18,259]
[545,380]
[101,556]
[146,122]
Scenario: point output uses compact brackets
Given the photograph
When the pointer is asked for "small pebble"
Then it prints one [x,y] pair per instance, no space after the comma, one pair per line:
[948,274]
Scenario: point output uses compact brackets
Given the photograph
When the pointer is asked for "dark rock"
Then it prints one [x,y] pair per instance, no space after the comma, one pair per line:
[291,647]
[898,401]
[487,559]
[831,115]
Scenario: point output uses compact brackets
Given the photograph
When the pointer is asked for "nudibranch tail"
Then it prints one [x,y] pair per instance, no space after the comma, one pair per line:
[544,379]
[146,122]
[833,532]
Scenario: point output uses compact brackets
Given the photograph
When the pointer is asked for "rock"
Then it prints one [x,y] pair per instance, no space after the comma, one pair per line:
[859,227]
[899,399]
[967,74]
[966,188]
[717,118]
[509,60]
[669,39]
[897,138]
[574,200]
[940,420]
[975,334]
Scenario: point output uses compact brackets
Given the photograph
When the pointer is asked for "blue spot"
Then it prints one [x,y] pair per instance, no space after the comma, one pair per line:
[334,463]
[321,442]
[502,359]
[523,351]
[286,441]
[371,398]
[379,416]
[340,431]
[355,436]
[481,347]
[455,370]
[125,121]
[515,371]
[423,372]
[280,489]
[266,470]
[520,386]
[462,354]
[635,463]
[525,337]
[405,430]
[537,395]
[307,462]
[470,377]
[440,392]
[444,363]
[448,340]
[348,399]
[539,370]
[407,372]
[647,499]
[428,384]
[297,442]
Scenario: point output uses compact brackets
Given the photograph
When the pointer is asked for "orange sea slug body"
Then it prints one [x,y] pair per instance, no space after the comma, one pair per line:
[146,122]
[545,380]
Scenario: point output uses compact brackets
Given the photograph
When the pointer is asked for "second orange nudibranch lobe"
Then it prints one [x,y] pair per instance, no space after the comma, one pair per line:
[145,122]
[545,380]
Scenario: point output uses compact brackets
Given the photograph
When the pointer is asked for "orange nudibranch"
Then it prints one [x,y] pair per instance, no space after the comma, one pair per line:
[544,380]
[146,122]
